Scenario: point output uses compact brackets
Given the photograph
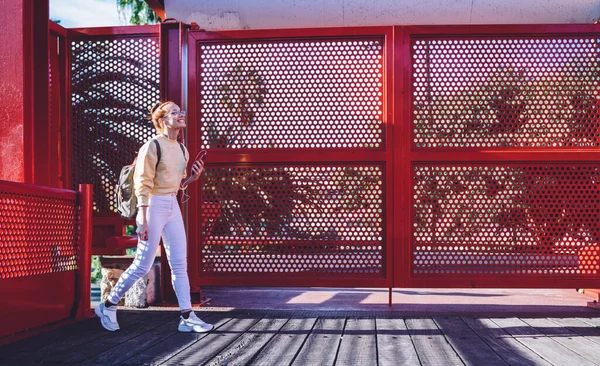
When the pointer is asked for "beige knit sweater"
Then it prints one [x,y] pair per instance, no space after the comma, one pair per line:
[164,180]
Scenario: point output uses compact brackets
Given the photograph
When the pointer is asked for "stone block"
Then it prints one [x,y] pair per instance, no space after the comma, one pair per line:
[146,290]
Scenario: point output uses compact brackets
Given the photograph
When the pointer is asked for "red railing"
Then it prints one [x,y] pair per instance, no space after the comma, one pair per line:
[45,241]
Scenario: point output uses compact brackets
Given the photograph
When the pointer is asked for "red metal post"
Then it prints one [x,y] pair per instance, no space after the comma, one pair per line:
[171,88]
[85,252]
[37,107]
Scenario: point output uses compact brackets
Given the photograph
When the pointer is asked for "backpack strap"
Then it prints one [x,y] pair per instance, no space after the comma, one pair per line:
[182,148]
[158,152]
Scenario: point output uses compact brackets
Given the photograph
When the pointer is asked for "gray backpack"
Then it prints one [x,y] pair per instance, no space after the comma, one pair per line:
[126,198]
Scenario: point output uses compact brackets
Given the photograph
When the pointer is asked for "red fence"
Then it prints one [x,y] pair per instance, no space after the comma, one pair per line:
[44,255]
[450,156]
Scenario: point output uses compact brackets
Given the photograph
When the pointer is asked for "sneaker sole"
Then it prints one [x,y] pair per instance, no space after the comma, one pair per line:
[104,325]
[186,329]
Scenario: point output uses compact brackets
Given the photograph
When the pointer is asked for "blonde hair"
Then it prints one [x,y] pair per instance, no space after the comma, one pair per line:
[157,112]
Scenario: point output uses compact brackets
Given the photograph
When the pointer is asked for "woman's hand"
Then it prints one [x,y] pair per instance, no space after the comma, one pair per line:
[197,169]
[142,231]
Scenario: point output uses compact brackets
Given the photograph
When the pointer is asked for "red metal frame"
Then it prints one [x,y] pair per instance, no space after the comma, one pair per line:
[35,101]
[401,226]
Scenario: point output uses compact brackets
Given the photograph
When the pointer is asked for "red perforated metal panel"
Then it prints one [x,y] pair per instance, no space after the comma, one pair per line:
[505,220]
[114,82]
[505,92]
[501,194]
[38,235]
[39,247]
[294,94]
[295,183]
[318,220]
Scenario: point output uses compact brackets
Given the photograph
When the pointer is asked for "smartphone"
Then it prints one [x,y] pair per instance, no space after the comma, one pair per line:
[201,155]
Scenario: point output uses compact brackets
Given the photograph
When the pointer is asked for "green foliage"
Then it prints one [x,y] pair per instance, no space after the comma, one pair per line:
[96,269]
[139,12]
[130,230]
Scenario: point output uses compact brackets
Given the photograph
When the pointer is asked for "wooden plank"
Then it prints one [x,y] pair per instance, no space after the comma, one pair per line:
[571,340]
[580,327]
[511,350]
[322,344]
[111,339]
[206,348]
[131,347]
[359,343]
[284,346]
[169,347]
[592,321]
[471,349]
[547,348]
[63,340]
[394,344]
[244,348]
[431,345]
[69,335]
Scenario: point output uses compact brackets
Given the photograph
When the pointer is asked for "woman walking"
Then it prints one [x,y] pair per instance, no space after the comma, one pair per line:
[156,187]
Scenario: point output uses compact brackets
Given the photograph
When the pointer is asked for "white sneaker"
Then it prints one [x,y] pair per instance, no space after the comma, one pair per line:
[108,316]
[193,324]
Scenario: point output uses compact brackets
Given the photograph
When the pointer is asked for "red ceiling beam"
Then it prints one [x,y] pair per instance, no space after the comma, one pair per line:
[158,6]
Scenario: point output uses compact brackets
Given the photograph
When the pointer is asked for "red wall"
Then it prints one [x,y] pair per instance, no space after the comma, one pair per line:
[24,146]
[12,92]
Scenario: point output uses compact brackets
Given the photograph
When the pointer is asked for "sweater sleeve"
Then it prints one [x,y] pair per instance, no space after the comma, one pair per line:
[145,170]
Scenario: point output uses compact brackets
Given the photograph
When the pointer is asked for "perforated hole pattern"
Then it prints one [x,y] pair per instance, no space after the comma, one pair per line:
[503,92]
[296,94]
[509,219]
[37,235]
[114,82]
[287,219]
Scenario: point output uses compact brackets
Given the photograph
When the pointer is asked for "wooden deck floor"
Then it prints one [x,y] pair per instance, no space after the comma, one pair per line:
[313,338]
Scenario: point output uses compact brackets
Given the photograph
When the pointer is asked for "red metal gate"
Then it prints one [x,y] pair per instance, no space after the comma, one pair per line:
[433,156]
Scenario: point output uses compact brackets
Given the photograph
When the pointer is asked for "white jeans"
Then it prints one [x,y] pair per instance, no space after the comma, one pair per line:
[164,219]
